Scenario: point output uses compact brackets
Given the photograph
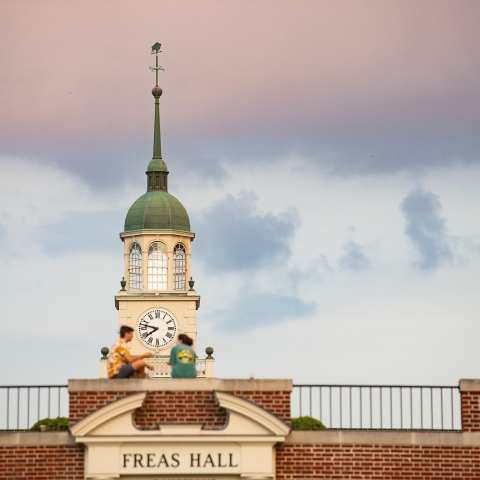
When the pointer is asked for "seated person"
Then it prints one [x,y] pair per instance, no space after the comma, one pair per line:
[123,365]
[183,358]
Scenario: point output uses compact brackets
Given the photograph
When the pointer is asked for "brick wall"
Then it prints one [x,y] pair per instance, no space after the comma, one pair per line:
[83,403]
[178,406]
[394,462]
[52,462]
[471,411]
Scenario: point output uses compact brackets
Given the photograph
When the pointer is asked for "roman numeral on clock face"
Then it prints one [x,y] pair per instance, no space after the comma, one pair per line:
[169,335]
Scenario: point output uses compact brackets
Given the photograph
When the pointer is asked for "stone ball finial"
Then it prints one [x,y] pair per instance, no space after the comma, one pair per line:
[209,351]
[157,92]
[104,351]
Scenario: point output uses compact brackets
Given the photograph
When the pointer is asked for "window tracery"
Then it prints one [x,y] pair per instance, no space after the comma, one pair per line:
[179,267]
[135,267]
[157,266]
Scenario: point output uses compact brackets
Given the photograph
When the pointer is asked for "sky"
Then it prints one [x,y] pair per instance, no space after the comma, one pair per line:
[328,155]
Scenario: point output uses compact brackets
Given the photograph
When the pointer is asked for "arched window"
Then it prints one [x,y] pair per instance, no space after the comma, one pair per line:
[157,266]
[135,267]
[179,267]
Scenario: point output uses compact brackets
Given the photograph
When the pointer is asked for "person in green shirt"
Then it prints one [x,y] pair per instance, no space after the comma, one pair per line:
[183,358]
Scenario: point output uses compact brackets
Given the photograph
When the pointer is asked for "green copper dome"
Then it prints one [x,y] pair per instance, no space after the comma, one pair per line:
[157,210]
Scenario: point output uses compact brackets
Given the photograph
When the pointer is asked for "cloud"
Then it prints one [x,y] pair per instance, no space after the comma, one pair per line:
[94,232]
[297,277]
[233,236]
[426,228]
[256,310]
[352,107]
[3,232]
[354,257]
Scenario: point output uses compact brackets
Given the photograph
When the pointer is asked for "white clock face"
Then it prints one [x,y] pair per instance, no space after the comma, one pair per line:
[157,328]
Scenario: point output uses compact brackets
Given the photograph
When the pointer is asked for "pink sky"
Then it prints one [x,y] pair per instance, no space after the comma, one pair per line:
[235,68]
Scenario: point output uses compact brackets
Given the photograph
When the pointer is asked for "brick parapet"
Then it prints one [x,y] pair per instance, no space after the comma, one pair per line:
[83,403]
[178,401]
[470,405]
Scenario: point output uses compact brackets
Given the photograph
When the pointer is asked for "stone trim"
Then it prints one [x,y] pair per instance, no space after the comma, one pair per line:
[470,385]
[104,414]
[384,438]
[251,410]
[178,384]
[37,439]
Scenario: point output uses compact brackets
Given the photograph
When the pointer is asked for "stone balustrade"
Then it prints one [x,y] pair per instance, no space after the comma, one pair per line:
[161,369]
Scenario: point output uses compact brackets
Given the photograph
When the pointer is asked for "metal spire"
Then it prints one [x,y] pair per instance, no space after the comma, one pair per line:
[157,92]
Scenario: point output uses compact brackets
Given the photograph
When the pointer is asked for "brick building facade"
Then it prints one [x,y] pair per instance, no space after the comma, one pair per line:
[301,455]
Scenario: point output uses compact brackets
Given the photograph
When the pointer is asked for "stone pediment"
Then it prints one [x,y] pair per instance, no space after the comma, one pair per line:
[242,448]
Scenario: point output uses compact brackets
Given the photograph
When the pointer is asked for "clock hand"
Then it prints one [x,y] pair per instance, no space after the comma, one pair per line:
[154,330]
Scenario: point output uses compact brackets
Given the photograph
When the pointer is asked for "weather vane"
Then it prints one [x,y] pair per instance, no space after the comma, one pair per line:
[155,51]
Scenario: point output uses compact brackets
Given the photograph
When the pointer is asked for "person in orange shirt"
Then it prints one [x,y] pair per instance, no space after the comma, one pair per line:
[123,365]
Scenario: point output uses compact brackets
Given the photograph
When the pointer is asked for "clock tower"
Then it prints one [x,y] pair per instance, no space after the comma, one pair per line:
[156,299]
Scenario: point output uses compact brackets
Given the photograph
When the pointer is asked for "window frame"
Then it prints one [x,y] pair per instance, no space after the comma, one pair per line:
[135,279]
[180,271]
[157,274]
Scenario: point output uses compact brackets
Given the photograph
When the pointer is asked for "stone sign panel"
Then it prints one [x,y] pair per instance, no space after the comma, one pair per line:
[179,459]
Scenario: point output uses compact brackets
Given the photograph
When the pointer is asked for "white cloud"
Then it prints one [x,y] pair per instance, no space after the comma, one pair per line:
[426,228]
[388,323]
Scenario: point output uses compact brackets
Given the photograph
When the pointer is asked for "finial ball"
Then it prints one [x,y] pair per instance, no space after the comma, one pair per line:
[209,351]
[157,92]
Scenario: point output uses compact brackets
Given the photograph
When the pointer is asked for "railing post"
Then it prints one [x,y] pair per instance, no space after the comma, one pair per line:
[209,363]
[104,363]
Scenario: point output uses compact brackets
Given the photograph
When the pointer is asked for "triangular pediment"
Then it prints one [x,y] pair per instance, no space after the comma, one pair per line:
[244,418]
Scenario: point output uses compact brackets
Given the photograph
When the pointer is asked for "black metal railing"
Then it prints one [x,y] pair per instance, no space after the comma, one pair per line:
[374,407]
[336,407]
[22,406]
